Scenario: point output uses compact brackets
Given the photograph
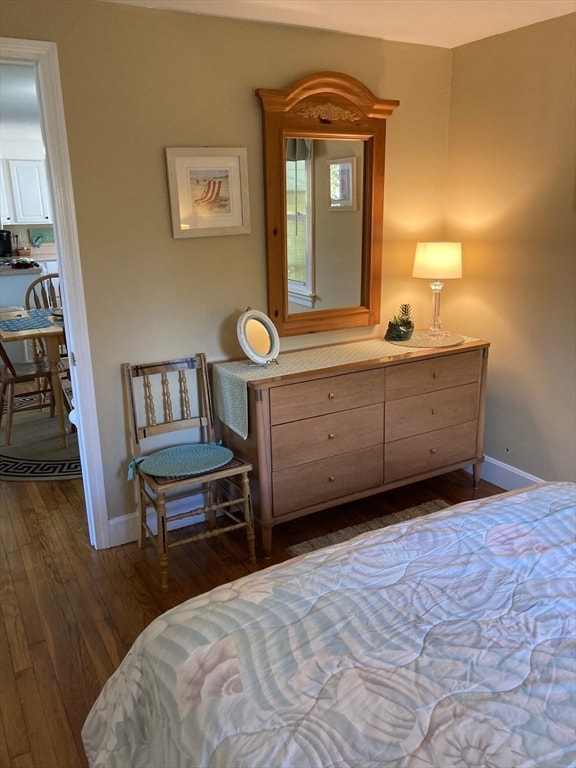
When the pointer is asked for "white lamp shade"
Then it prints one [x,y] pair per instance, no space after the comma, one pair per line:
[440,261]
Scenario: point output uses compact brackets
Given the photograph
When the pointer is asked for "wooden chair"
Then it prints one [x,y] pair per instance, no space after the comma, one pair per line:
[192,477]
[36,372]
[44,293]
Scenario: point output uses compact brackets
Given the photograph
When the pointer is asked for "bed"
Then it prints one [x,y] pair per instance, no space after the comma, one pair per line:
[444,641]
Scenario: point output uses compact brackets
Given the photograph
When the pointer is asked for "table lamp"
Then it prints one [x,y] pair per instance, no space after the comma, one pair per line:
[437,261]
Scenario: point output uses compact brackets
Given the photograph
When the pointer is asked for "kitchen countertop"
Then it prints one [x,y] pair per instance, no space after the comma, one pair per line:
[5,271]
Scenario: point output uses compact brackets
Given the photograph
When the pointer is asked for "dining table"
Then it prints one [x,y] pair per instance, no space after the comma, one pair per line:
[29,324]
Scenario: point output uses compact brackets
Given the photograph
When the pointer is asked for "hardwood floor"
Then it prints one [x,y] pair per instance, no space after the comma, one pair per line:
[69,614]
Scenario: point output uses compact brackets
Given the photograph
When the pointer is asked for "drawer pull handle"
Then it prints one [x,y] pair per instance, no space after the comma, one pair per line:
[435,375]
[331,479]
[331,396]
[331,436]
[434,411]
[432,451]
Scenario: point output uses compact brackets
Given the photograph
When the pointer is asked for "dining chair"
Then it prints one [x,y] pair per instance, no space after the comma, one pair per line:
[192,477]
[12,374]
[44,293]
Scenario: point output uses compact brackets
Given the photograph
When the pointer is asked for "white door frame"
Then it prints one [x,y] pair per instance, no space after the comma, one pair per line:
[44,56]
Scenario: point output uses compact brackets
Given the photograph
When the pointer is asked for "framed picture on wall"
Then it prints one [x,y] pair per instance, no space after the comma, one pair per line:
[342,184]
[208,191]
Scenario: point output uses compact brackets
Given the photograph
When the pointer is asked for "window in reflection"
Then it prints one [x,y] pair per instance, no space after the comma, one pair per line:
[342,183]
[299,218]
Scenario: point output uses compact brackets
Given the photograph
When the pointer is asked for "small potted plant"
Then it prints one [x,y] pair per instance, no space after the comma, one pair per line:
[401,327]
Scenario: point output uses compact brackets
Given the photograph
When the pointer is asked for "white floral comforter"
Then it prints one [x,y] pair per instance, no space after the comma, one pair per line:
[441,642]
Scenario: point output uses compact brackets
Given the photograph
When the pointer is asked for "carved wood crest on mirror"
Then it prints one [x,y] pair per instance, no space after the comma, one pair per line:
[324,145]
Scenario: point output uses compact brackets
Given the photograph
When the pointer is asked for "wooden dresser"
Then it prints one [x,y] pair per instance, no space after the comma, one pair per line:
[324,436]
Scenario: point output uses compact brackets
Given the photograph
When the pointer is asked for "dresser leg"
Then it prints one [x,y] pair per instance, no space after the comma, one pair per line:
[476,474]
[267,540]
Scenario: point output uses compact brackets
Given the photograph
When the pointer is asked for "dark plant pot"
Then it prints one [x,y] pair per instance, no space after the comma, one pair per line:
[399,332]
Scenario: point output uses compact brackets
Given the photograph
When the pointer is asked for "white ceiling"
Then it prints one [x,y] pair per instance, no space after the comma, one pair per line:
[443,23]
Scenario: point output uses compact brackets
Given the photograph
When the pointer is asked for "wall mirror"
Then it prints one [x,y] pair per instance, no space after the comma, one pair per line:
[324,147]
[258,337]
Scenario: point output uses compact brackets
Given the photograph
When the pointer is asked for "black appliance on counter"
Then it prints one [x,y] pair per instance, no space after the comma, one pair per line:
[5,243]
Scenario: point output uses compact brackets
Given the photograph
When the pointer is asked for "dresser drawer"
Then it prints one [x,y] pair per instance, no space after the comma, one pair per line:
[434,410]
[422,453]
[298,442]
[319,481]
[328,395]
[416,378]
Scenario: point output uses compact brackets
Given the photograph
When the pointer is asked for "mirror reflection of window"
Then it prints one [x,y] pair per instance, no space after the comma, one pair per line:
[297,201]
[324,219]
[299,218]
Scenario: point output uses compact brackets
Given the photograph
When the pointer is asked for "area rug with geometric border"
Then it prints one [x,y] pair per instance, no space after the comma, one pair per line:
[12,469]
[370,525]
[36,451]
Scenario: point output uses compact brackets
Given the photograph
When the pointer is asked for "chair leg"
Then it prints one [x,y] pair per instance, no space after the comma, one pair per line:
[162,542]
[9,412]
[52,404]
[3,388]
[249,518]
[141,515]
[44,389]
[213,498]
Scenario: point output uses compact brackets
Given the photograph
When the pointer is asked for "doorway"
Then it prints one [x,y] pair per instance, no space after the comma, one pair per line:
[43,56]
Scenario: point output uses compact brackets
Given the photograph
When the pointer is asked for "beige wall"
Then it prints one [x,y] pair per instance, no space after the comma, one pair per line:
[511,200]
[136,81]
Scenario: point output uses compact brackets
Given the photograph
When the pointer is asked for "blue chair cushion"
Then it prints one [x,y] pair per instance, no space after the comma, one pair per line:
[185,460]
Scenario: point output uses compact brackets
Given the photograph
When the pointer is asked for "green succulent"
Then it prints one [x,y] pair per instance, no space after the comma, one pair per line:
[404,316]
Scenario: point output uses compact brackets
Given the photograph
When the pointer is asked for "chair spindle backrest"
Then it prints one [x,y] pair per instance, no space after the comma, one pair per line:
[167,409]
[44,293]
[160,399]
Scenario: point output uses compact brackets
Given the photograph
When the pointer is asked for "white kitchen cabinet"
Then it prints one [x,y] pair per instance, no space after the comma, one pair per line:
[30,194]
[6,205]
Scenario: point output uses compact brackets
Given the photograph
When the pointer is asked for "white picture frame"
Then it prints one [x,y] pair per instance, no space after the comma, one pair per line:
[342,184]
[208,189]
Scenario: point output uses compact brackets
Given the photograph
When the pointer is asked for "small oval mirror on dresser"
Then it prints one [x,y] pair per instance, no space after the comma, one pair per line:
[324,140]
[258,337]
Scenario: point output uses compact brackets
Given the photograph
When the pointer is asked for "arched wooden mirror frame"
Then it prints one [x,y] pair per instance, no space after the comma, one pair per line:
[326,105]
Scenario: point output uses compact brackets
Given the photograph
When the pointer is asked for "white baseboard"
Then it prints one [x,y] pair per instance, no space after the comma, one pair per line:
[125,528]
[505,476]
